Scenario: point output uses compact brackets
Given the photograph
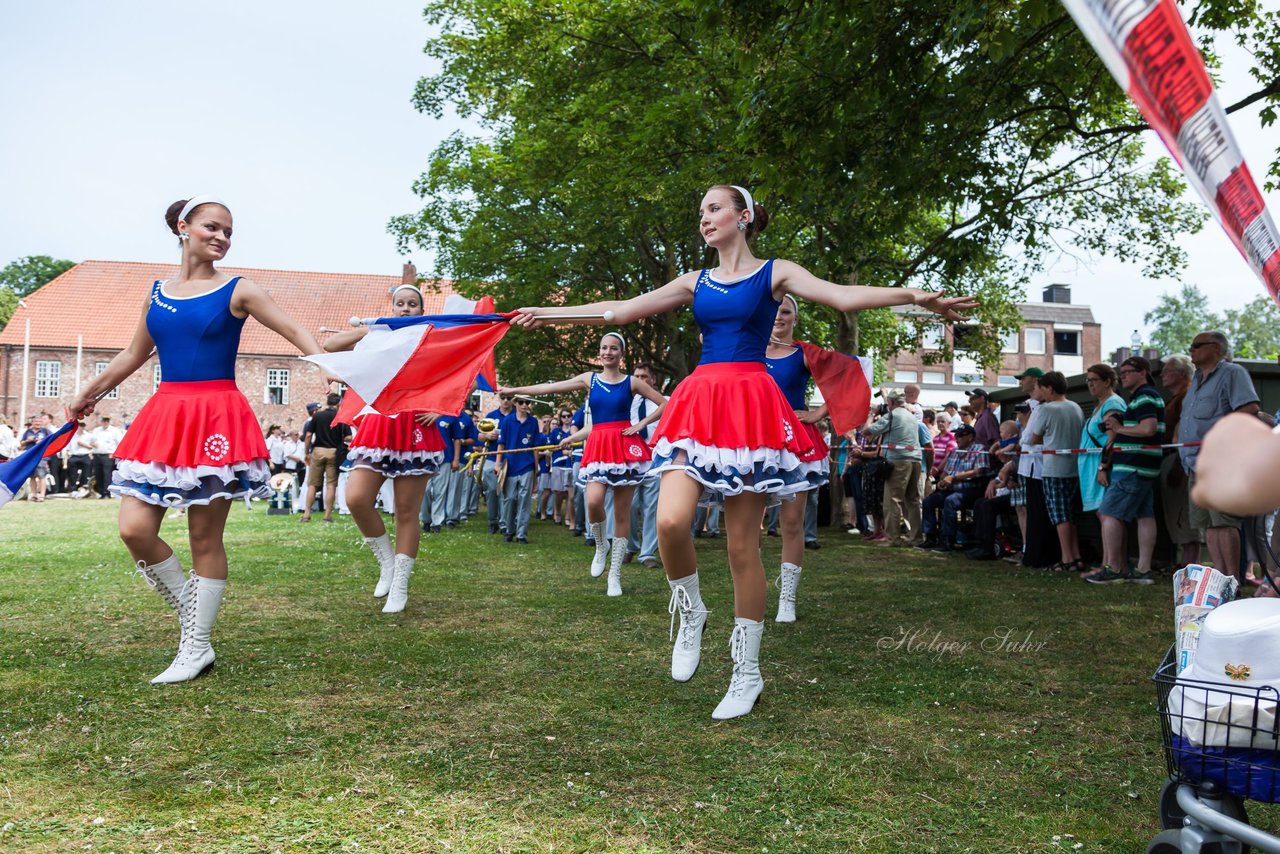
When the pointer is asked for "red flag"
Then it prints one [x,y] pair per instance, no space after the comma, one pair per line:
[350,408]
[845,383]
[439,374]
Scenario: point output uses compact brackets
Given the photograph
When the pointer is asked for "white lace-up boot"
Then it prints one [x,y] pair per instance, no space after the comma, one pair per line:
[381,548]
[787,583]
[602,548]
[746,683]
[166,578]
[398,597]
[616,558]
[686,600]
[200,600]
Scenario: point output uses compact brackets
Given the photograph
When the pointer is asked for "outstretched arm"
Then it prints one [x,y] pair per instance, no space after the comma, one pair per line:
[791,278]
[251,300]
[345,340]
[123,365]
[670,296]
[578,383]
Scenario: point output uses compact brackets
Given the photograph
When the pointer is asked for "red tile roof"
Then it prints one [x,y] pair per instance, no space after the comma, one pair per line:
[102,301]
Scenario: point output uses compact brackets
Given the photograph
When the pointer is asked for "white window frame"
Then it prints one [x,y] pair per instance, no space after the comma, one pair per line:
[98,368]
[932,337]
[1033,349]
[933,377]
[904,376]
[1007,381]
[155,377]
[281,377]
[1010,344]
[48,378]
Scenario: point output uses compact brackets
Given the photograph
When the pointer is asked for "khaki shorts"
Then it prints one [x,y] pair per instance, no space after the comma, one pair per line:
[324,463]
[1202,517]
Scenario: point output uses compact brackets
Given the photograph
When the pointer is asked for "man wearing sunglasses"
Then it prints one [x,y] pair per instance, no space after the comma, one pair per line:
[1218,388]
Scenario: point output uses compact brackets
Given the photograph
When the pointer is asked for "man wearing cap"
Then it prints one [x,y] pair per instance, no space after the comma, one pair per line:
[986,427]
[106,439]
[1130,476]
[902,483]
[1218,388]
[964,476]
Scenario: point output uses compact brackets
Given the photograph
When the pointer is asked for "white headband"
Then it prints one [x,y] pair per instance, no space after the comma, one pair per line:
[413,288]
[621,340]
[197,201]
[751,205]
[795,306]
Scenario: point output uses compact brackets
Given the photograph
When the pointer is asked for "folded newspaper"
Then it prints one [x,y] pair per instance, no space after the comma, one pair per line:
[1197,590]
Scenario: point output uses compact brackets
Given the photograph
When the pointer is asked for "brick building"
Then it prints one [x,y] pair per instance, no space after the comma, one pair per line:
[79,321]
[1055,336]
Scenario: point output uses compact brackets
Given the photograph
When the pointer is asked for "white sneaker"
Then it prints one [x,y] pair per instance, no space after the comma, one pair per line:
[600,561]
[201,599]
[788,582]
[853,531]
[686,654]
[386,557]
[398,595]
[618,555]
[746,684]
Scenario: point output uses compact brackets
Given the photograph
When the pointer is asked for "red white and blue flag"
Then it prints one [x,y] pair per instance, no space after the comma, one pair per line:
[1147,48]
[428,363]
[845,383]
[18,470]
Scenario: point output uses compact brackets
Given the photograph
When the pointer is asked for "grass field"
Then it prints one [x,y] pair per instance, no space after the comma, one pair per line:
[513,707]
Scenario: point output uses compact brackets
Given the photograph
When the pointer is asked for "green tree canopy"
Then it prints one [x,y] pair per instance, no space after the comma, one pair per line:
[1254,331]
[946,143]
[1180,318]
[20,278]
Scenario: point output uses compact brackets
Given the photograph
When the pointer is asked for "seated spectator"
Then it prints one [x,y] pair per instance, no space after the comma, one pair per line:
[964,478]
[997,499]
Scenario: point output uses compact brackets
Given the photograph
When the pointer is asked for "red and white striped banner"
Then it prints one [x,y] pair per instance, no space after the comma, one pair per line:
[1148,49]
[1066,452]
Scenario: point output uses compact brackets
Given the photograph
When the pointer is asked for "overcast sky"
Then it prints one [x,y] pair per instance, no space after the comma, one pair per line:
[299,115]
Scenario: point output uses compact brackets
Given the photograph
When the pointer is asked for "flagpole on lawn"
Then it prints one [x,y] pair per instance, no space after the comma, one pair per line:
[26,368]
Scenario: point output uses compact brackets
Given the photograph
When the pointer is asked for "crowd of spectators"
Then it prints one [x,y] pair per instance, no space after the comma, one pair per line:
[959,478]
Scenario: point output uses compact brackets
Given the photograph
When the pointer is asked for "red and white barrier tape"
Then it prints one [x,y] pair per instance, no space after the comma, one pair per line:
[1149,51]
[1064,453]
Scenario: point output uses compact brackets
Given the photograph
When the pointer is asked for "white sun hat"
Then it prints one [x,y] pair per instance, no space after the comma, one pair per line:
[1219,701]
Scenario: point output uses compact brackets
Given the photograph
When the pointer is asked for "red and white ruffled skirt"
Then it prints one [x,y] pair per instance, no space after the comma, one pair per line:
[192,443]
[396,445]
[612,458]
[728,426]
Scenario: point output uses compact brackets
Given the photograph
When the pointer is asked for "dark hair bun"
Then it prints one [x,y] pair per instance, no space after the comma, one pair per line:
[761,220]
[171,215]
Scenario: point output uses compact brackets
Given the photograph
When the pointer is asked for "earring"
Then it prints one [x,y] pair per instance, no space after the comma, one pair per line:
[182,235]
[742,225]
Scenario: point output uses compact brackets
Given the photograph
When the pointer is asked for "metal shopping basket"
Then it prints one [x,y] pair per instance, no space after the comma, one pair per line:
[1202,802]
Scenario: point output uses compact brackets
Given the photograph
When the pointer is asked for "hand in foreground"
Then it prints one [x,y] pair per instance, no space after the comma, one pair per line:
[1238,469]
[81,406]
[949,307]
[808,416]
[426,419]
[527,317]
[632,430]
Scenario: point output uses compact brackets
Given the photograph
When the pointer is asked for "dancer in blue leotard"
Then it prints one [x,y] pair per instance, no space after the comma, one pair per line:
[615,456]
[727,426]
[787,366]
[196,443]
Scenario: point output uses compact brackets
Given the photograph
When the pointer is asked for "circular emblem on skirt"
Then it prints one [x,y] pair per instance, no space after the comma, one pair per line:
[418,436]
[217,446]
[635,450]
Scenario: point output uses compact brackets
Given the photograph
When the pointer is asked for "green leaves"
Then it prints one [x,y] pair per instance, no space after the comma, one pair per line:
[947,144]
[22,277]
